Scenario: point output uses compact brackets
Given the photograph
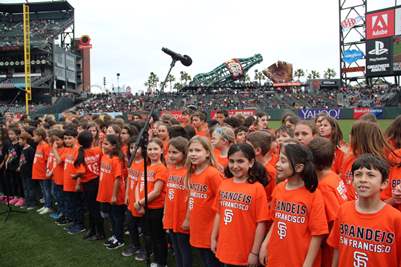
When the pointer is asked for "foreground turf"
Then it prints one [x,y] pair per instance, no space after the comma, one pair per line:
[35,240]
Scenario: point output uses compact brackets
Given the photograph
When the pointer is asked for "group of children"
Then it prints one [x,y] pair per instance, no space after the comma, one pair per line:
[233,189]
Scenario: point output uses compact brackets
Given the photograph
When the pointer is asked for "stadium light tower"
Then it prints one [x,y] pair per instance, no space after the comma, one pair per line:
[118,82]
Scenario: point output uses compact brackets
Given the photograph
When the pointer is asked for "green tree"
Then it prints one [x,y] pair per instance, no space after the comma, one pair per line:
[184,78]
[170,80]
[299,73]
[329,73]
[177,86]
[259,76]
[314,74]
[152,81]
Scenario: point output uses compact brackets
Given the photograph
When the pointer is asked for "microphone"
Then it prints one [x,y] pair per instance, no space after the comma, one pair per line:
[185,60]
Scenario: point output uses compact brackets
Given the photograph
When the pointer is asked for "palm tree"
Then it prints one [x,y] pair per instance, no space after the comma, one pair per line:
[152,81]
[177,86]
[314,74]
[329,73]
[299,73]
[259,76]
[170,80]
[184,77]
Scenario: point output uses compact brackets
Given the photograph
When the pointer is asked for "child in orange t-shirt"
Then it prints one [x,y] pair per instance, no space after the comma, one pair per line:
[111,192]
[134,218]
[222,139]
[156,184]
[367,231]
[203,180]
[392,194]
[297,211]
[198,121]
[176,202]
[87,171]
[55,170]
[39,168]
[73,197]
[261,142]
[332,187]
[241,207]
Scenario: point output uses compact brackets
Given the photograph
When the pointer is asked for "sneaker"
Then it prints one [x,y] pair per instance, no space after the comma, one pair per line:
[115,245]
[30,207]
[20,202]
[63,221]
[56,215]
[42,200]
[109,241]
[140,255]
[129,251]
[46,211]
[40,210]
[76,229]
[95,237]
[3,198]
[13,201]
[154,264]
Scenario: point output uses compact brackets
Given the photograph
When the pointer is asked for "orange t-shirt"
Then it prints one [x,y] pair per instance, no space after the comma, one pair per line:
[203,132]
[394,176]
[203,191]
[91,168]
[274,158]
[54,170]
[134,172]
[338,160]
[155,173]
[110,169]
[222,161]
[334,195]
[346,175]
[69,156]
[241,207]
[39,161]
[272,173]
[367,239]
[176,201]
[297,216]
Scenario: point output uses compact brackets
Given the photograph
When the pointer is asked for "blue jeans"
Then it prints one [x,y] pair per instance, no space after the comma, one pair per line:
[208,258]
[182,249]
[45,185]
[28,191]
[58,194]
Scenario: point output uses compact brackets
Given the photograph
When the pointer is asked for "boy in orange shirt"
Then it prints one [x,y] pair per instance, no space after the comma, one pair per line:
[198,121]
[367,231]
[392,194]
[332,187]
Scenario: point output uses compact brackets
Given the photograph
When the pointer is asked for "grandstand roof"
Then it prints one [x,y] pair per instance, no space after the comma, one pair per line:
[36,7]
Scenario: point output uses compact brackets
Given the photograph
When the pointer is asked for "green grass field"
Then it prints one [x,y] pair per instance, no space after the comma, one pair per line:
[34,240]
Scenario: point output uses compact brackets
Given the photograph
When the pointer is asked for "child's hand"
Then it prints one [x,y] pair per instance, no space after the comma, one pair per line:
[253,260]
[213,245]
[78,187]
[263,254]
[141,210]
[185,225]
[113,200]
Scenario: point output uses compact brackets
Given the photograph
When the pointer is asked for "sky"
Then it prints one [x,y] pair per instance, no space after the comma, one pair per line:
[127,36]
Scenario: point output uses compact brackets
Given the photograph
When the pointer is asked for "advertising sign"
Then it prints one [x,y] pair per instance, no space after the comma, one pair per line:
[397,53]
[177,114]
[352,55]
[358,112]
[380,24]
[349,23]
[233,112]
[311,113]
[397,21]
[379,57]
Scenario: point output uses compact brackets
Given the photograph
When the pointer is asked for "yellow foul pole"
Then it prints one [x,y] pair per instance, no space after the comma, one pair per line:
[27,58]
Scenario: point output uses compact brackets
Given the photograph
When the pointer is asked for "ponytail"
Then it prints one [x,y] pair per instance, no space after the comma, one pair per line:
[81,157]
[300,154]
[85,139]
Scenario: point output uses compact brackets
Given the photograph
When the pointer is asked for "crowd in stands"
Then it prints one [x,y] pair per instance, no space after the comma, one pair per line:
[261,99]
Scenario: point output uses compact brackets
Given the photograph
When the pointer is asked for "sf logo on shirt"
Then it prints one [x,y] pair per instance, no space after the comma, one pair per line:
[360,259]
[171,194]
[228,216]
[282,230]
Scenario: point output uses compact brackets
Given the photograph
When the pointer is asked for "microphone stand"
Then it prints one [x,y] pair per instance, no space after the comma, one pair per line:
[142,142]
[7,185]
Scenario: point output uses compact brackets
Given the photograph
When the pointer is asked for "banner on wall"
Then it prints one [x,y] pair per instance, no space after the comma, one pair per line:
[358,112]
[311,113]
[233,112]
[177,114]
